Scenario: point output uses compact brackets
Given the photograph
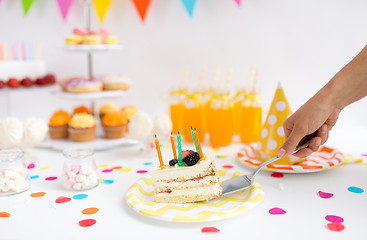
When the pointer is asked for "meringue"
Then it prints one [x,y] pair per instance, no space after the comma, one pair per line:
[140,126]
[11,132]
[35,131]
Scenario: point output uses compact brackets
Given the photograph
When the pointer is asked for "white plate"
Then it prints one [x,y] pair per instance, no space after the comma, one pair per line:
[140,197]
[91,96]
[93,48]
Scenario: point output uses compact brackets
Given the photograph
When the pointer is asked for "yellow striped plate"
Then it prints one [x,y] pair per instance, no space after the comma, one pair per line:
[140,197]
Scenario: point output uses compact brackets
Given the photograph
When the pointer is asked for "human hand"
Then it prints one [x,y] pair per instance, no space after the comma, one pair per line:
[314,116]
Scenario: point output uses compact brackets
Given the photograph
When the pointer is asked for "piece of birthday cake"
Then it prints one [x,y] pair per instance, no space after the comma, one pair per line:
[196,180]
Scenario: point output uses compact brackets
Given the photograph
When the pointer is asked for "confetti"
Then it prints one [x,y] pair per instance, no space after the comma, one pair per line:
[166,147]
[87,222]
[216,149]
[44,168]
[334,219]
[107,170]
[141,171]
[80,196]
[117,167]
[364,154]
[38,194]
[277,211]
[50,178]
[4,214]
[209,229]
[31,165]
[107,181]
[125,169]
[141,149]
[277,174]
[62,199]
[325,194]
[34,177]
[355,189]
[221,156]
[103,165]
[336,227]
[89,211]
[148,163]
[227,166]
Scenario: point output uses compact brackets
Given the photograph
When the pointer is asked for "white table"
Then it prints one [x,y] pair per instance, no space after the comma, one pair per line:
[42,218]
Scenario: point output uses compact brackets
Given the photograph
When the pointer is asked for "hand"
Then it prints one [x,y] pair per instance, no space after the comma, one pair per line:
[314,115]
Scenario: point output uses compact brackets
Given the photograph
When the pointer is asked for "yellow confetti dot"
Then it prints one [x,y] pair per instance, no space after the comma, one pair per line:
[103,165]
[166,147]
[125,169]
[216,149]
[44,168]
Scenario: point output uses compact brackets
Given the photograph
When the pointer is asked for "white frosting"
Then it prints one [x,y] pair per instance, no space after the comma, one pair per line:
[22,69]
[162,126]
[111,79]
[11,132]
[140,126]
[35,131]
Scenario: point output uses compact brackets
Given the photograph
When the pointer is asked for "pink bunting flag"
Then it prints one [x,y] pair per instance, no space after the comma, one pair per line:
[64,6]
[238,2]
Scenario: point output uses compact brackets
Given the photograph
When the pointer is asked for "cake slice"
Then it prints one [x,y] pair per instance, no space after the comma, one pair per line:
[185,184]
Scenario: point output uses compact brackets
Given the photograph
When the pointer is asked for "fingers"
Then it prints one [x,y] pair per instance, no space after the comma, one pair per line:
[323,133]
[291,142]
[303,153]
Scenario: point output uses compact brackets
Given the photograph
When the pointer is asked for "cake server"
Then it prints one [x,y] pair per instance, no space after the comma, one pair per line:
[245,181]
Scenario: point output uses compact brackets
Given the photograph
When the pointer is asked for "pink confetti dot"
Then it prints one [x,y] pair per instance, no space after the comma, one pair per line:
[325,194]
[31,165]
[277,174]
[87,222]
[336,227]
[62,199]
[277,211]
[209,229]
[107,170]
[334,219]
[227,166]
[50,178]
[141,171]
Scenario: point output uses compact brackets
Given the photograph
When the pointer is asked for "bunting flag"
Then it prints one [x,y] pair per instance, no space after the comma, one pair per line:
[64,6]
[238,2]
[27,5]
[101,8]
[189,5]
[142,7]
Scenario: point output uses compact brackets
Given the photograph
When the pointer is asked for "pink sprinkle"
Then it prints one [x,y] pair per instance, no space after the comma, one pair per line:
[325,194]
[107,170]
[227,166]
[141,171]
[62,199]
[276,211]
[31,165]
[364,154]
[277,174]
[210,229]
[334,219]
[50,178]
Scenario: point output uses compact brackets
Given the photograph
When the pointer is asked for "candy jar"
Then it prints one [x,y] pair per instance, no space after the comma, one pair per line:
[14,176]
[80,170]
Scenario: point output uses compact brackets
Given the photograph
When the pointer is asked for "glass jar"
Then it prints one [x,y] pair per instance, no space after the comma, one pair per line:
[14,176]
[80,170]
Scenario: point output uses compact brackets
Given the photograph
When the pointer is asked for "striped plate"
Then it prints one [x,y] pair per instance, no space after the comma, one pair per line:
[321,160]
[140,197]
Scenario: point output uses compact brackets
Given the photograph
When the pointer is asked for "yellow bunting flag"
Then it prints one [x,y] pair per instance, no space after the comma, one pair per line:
[272,133]
[101,8]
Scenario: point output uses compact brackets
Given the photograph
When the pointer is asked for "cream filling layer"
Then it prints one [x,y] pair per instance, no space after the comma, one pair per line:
[171,186]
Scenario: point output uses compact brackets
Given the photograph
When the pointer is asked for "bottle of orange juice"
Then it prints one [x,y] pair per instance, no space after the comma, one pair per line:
[193,116]
[177,98]
[237,107]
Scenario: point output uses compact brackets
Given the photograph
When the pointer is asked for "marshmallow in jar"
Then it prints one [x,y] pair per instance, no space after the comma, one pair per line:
[80,170]
[14,176]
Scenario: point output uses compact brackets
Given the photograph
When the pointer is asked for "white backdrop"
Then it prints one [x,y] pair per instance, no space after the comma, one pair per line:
[301,43]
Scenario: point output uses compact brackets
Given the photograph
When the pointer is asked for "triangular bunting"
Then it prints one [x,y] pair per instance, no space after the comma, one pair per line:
[26,5]
[238,2]
[189,5]
[142,7]
[64,6]
[101,8]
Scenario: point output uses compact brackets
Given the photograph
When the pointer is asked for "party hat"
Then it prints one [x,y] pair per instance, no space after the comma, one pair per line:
[272,132]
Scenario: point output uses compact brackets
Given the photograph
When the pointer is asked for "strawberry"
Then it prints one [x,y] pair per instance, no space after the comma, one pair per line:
[185,153]
[2,84]
[13,83]
[27,82]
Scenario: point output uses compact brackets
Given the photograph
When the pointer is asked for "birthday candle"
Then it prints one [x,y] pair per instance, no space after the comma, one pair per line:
[1,52]
[180,162]
[199,146]
[22,51]
[13,52]
[159,153]
[173,147]
[193,137]
[5,51]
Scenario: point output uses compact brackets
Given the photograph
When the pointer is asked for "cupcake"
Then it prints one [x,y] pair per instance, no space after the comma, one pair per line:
[107,108]
[58,125]
[129,111]
[81,109]
[82,127]
[114,125]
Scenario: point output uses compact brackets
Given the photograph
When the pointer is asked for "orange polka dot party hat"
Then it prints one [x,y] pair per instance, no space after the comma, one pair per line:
[272,132]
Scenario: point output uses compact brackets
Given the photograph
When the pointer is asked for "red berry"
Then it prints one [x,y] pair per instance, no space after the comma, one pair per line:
[13,83]
[186,152]
[40,81]
[27,82]
[2,84]
[51,79]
